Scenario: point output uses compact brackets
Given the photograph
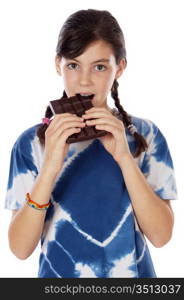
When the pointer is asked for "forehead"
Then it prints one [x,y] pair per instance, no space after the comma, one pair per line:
[95,52]
[98,46]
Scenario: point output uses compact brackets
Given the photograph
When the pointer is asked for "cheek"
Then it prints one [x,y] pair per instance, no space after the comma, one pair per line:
[111,79]
[106,82]
[69,78]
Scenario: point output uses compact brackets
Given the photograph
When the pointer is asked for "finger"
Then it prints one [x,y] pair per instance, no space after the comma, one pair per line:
[63,116]
[57,131]
[110,128]
[102,109]
[69,132]
[62,137]
[113,122]
[97,115]
[59,120]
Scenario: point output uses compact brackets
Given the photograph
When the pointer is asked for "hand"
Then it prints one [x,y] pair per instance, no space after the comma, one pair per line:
[56,148]
[115,141]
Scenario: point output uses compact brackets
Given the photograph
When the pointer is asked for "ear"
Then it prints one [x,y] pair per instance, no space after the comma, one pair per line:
[120,68]
[57,64]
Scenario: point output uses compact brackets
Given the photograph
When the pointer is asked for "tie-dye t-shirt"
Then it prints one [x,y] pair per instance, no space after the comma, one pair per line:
[90,229]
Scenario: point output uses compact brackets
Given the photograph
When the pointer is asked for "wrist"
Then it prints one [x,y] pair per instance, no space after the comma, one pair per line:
[126,156]
[36,205]
[48,173]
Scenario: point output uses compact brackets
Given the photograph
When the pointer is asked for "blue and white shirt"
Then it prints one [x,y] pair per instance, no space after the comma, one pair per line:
[90,229]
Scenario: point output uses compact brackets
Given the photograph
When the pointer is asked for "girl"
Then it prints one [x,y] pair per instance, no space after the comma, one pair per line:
[91,203]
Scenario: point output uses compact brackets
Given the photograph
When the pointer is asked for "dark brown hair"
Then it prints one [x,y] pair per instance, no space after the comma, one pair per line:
[79,30]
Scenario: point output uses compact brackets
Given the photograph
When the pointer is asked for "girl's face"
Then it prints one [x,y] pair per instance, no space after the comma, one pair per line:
[93,72]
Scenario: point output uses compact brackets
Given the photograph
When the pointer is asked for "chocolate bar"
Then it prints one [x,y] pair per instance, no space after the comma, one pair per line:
[77,105]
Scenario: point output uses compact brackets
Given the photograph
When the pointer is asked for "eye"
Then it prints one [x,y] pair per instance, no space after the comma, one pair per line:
[101,67]
[72,66]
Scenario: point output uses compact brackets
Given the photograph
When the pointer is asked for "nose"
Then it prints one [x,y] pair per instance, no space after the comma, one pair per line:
[85,78]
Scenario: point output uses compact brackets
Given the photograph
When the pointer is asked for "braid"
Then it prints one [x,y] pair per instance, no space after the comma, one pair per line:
[141,142]
[43,127]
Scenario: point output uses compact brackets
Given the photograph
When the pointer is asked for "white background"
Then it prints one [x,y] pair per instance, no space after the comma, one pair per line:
[151,87]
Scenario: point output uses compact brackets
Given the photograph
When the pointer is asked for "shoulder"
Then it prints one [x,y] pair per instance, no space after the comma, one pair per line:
[145,127]
[156,140]
[26,138]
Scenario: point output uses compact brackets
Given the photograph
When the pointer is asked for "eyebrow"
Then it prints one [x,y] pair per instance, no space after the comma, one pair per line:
[96,61]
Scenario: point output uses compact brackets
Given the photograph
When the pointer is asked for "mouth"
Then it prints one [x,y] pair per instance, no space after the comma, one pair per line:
[85,95]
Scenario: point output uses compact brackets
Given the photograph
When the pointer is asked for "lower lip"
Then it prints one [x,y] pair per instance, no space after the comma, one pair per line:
[87,95]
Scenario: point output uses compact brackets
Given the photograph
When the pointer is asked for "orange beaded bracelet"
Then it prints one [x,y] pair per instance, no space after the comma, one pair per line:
[35,205]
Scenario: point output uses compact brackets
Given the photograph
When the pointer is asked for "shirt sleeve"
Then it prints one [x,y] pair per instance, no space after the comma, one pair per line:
[22,174]
[158,166]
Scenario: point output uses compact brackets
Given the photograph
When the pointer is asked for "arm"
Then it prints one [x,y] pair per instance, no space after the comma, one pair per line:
[154,215]
[27,223]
